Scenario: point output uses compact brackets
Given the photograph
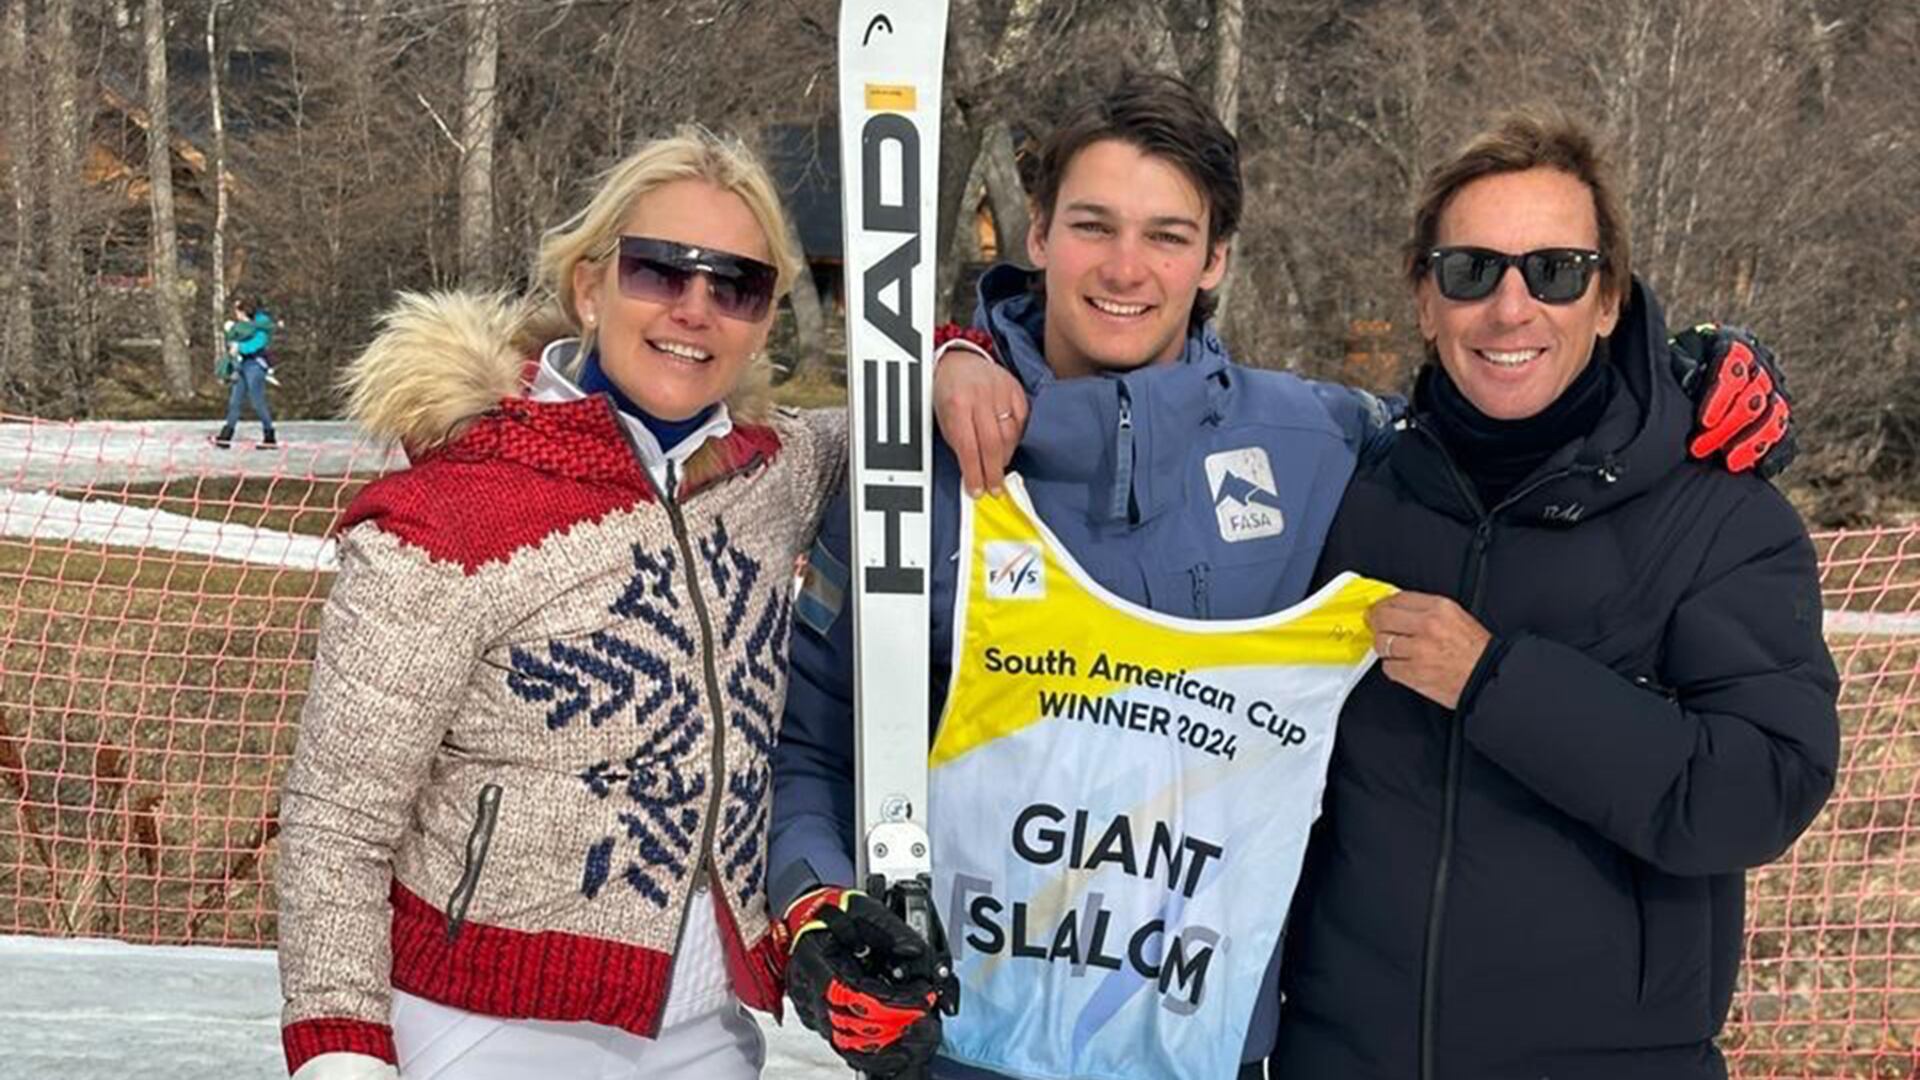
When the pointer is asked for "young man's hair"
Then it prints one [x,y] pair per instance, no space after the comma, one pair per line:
[1164,117]
[1537,136]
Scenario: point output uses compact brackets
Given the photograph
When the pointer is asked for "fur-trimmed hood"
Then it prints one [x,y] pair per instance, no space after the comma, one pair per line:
[442,360]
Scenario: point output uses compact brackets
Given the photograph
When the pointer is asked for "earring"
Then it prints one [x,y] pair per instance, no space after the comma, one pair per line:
[590,318]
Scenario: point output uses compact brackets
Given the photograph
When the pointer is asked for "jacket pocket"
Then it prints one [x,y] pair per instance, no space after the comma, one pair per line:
[479,839]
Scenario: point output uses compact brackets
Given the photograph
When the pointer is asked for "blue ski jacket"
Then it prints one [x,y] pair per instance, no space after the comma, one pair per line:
[1116,464]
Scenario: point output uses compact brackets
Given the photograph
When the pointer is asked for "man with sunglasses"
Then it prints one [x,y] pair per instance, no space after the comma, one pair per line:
[1603,696]
[1183,484]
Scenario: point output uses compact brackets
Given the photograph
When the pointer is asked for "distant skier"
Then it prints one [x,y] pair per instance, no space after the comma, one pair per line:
[247,368]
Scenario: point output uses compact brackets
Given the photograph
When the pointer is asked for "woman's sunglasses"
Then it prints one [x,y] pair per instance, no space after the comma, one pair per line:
[1553,275]
[660,271]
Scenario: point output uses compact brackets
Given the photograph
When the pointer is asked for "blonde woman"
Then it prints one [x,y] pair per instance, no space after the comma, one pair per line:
[524,829]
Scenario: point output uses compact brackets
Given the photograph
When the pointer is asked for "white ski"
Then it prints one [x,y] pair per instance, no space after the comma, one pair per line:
[890,61]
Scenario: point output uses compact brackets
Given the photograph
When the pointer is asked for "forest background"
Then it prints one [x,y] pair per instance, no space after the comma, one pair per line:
[160,156]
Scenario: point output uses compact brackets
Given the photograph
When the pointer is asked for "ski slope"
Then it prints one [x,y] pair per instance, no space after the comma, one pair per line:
[106,1010]
[86,454]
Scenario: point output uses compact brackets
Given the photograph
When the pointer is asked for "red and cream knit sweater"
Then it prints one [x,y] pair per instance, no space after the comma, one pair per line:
[542,704]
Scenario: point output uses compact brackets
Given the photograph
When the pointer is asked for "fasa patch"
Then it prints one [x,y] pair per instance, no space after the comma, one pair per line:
[1016,570]
[1245,499]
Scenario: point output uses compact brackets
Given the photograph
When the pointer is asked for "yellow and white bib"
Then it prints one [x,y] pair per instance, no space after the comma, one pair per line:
[1120,802]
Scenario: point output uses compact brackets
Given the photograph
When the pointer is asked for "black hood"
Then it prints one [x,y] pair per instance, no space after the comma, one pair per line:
[1639,438]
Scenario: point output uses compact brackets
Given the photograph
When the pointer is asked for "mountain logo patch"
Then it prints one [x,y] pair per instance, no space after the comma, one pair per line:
[1246,501]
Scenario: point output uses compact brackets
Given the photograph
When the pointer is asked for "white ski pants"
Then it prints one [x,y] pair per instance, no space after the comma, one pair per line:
[436,1042]
[705,1034]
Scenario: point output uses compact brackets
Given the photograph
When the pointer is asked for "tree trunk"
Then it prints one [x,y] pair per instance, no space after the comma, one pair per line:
[17,347]
[809,322]
[216,66]
[959,143]
[166,242]
[1229,21]
[1004,192]
[477,121]
[967,137]
[72,307]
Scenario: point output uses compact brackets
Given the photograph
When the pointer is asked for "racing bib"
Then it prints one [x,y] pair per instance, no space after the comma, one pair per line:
[1120,802]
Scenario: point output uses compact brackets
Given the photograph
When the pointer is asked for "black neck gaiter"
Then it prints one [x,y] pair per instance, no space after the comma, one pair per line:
[1495,454]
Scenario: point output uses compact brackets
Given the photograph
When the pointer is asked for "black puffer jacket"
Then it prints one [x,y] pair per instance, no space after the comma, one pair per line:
[1548,882]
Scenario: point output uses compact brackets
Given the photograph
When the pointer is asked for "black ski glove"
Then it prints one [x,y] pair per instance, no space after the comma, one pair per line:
[863,979]
[1743,415]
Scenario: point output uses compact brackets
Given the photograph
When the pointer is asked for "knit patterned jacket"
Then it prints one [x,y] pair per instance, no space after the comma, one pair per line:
[542,703]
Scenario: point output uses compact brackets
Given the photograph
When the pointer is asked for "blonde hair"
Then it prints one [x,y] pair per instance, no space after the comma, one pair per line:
[690,153]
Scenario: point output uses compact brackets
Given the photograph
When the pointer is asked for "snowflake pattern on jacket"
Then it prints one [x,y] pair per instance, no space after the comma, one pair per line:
[664,778]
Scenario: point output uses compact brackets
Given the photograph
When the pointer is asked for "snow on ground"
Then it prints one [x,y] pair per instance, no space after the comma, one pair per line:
[71,457]
[1870,622]
[53,455]
[51,517]
[106,1010]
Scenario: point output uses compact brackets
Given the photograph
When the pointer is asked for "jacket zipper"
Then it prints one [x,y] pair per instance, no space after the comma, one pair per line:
[716,714]
[1120,507]
[479,839]
[1202,586]
[670,499]
[1472,585]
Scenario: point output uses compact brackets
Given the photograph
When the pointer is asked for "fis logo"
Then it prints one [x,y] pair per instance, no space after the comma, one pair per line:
[1246,501]
[1015,571]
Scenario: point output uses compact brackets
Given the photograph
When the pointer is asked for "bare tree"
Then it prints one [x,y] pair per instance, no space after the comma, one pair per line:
[1001,171]
[166,241]
[1766,147]
[809,320]
[976,137]
[17,345]
[73,308]
[217,290]
[1229,23]
[478,113]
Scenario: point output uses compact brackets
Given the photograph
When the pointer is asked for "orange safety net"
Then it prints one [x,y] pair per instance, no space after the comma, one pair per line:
[159,599]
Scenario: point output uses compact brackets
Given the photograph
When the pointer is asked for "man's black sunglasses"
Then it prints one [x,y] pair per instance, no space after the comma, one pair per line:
[1553,275]
[661,270]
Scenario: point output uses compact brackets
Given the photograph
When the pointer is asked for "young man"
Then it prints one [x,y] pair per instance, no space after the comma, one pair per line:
[1178,495]
[1179,480]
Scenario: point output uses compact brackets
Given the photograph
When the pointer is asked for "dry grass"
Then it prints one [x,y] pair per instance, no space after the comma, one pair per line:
[147,705]
[1875,570]
[1831,984]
